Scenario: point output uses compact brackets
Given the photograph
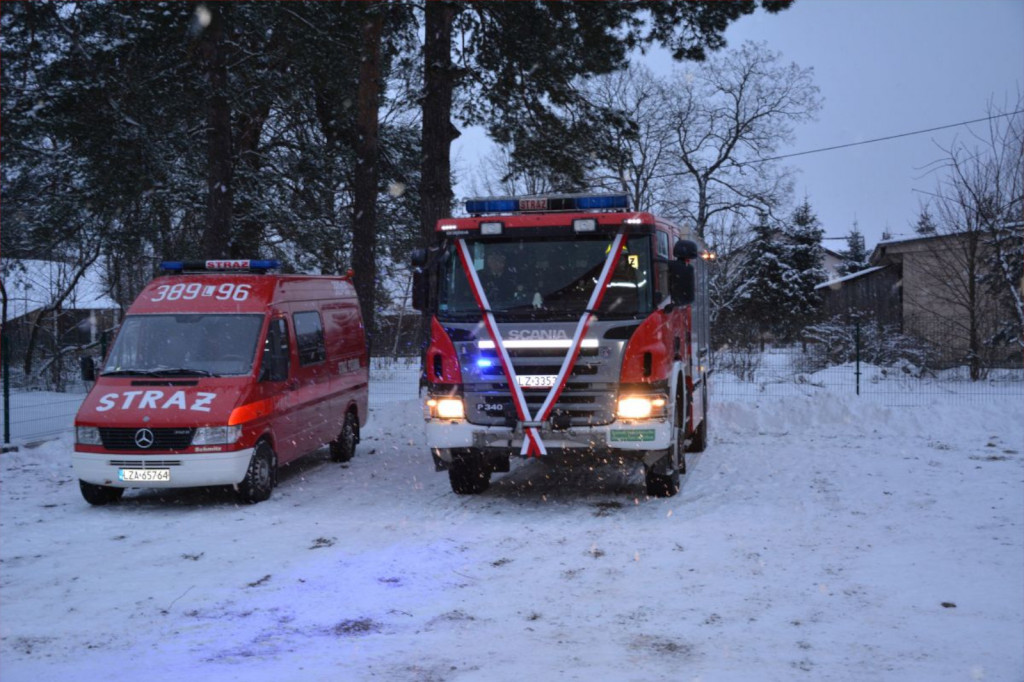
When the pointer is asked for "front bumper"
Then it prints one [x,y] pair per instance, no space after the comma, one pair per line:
[622,438]
[187,471]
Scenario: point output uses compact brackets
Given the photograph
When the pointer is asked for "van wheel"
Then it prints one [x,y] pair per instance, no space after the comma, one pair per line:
[259,479]
[662,477]
[100,495]
[469,474]
[344,448]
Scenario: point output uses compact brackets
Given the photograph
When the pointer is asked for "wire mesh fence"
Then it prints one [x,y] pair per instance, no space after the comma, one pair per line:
[737,376]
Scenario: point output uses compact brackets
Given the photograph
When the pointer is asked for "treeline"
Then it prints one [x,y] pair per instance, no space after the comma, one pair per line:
[318,132]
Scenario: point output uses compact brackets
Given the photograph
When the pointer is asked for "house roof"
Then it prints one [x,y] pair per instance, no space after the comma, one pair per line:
[847,278]
[34,284]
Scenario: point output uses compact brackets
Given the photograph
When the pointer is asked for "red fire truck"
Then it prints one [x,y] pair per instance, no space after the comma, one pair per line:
[563,326]
[222,372]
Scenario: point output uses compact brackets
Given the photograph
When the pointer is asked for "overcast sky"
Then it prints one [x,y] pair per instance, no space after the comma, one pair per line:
[887,67]
[884,67]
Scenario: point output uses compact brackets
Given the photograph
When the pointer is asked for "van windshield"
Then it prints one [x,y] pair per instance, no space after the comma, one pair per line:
[185,345]
[549,279]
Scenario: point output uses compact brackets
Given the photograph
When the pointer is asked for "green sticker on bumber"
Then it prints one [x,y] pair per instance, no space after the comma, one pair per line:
[640,436]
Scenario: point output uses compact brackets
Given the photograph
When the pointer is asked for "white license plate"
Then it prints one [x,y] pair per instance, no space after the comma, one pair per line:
[536,380]
[144,475]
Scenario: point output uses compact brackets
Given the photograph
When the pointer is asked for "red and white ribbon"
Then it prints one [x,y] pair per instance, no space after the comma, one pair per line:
[533,445]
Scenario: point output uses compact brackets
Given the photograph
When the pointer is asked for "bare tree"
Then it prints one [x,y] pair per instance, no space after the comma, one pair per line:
[502,178]
[640,153]
[968,283]
[729,117]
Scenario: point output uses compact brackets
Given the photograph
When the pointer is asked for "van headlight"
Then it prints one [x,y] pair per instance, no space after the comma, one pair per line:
[217,435]
[641,406]
[446,408]
[87,435]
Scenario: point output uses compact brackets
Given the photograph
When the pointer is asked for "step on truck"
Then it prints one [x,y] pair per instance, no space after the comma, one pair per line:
[221,372]
[567,327]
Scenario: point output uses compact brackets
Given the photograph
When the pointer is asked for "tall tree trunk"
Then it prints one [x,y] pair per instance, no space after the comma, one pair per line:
[439,77]
[217,232]
[364,223]
[245,242]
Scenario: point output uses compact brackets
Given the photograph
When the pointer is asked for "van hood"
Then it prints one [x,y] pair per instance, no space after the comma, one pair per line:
[126,401]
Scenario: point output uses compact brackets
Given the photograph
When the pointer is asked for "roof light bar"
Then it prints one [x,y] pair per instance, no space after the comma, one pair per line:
[225,264]
[561,202]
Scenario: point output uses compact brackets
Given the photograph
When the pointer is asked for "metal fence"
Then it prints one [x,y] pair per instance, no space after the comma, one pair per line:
[737,376]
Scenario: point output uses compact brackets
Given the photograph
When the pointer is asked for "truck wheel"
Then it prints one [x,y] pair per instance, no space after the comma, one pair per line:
[469,474]
[100,495]
[259,479]
[344,448]
[662,477]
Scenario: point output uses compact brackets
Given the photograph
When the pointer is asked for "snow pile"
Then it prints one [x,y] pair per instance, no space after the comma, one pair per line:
[819,537]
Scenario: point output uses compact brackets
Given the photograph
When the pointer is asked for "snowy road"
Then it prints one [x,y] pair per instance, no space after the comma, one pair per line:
[817,538]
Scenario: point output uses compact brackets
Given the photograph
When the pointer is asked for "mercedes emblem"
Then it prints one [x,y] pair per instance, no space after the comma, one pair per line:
[144,438]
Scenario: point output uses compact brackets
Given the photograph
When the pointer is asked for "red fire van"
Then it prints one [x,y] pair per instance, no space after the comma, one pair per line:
[220,374]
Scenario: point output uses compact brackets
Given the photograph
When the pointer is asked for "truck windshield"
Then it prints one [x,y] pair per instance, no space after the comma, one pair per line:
[186,344]
[549,279]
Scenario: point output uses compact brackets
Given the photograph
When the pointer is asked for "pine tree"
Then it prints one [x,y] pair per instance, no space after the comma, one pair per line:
[925,225]
[855,257]
[805,257]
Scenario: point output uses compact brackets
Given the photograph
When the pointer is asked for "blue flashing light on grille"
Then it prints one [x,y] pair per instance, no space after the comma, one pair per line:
[484,362]
[564,202]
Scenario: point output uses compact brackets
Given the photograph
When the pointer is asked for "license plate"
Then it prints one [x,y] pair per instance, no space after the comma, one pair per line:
[144,475]
[536,380]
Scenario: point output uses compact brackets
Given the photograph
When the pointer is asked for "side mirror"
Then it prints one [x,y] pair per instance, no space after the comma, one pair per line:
[681,282]
[88,367]
[419,290]
[685,250]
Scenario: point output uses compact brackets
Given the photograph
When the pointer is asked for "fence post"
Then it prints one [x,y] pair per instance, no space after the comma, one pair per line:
[856,345]
[5,352]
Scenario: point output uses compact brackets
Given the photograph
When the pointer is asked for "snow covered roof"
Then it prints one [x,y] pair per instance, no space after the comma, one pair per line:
[855,275]
[34,284]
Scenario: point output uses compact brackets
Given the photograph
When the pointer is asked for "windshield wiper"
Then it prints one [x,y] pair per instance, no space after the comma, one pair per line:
[128,372]
[183,371]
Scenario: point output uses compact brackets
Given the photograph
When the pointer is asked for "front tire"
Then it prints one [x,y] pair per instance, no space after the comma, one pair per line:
[99,495]
[259,478]
[469,474]
[662,477]
[344,448]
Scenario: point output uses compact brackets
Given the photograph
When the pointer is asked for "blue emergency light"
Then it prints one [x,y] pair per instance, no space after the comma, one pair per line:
[222,265]
[561,202]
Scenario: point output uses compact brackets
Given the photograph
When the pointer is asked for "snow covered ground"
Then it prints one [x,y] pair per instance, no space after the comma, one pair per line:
[820,537]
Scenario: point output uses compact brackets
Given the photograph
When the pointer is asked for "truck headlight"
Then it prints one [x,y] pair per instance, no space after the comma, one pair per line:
[446,408]
[87,435]
[641,407]
[217,435]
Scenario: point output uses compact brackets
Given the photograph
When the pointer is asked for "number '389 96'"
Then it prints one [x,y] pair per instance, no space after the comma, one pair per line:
[225,291]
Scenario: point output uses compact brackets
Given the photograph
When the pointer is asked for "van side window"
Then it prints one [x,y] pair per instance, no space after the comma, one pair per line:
[275,352]
[309,336]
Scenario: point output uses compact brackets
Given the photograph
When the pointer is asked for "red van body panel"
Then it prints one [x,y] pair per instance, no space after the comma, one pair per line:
[200,383]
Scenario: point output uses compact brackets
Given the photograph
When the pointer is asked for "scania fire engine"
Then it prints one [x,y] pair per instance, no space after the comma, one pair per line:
[563,326]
